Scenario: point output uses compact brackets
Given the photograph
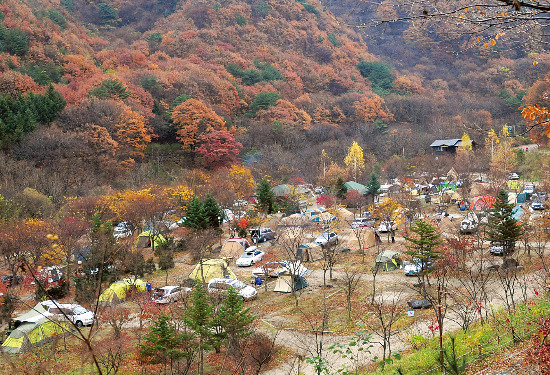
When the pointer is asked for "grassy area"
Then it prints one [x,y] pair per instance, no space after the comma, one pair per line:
[479,342]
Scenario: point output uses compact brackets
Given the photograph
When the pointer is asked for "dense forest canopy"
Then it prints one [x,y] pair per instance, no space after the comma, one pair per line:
[120,92]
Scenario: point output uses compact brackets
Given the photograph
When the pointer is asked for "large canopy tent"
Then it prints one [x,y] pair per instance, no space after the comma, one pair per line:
[208,269]
[388,260]
[33,329]
[118,290]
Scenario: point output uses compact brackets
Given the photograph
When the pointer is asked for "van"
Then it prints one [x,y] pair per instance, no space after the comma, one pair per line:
[362,222]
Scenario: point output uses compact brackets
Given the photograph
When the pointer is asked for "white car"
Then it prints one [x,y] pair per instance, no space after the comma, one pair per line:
[221,286]
[251,255]
[327,238]
[169,293]
[386,226]
[529,189]
[513,176]
[362,222]
[122,230]
[77,314]
[414,267]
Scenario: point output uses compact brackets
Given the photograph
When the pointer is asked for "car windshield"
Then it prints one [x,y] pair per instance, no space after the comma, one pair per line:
[237,284]
[247,255]
[323,237]
[79,310]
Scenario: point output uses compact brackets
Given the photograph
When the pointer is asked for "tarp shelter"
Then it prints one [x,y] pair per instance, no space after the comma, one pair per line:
[452,175]
[144,240]
[310,252]
[482,202]
[521,198]
[325,217]
[208,269]
[388,260]
[294,274]
[352,185]
[234,247]
[33,329]
[282,190]
[514,185]
[517,212]
[118,290]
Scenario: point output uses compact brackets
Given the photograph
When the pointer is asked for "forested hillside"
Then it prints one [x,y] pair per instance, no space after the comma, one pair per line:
[96,91]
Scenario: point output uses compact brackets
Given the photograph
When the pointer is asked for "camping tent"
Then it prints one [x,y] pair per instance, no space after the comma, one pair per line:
[294,220]
[388,260]
[234,247]
[33,329]
[294,274]
[211,269]
[366,235]
[117,291]
[482,202]
[310,252]
[144,240]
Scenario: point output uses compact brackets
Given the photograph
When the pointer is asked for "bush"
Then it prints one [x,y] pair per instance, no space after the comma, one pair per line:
[240,19]
[378,73]
[14,41]
[57,18]
[263,100]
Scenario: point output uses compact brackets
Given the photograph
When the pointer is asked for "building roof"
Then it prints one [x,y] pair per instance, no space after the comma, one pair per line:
[352,185]
[447,142]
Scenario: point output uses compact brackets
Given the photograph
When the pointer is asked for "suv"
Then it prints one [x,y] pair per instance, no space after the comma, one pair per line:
[362,222]
[221,286]
[499,249]
[77,314]
[122,230]
[262,235]
[529,189]
[327,238]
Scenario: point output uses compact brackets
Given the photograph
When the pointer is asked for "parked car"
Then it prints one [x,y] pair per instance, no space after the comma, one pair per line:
[538,205]
[529,189]
[122,230]
[327,238]
[513,176]
[414,267]
[9,280]
[169,293]
[498,249]
[262,235]
[77,314]
[272,269]
[250,256]
[221,286]
[386,226]
[362,222]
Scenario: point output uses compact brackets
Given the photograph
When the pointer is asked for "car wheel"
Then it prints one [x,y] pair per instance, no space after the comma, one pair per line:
[79,324]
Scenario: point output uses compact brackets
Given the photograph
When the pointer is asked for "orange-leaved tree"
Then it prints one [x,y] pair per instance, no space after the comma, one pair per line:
[192,118]
[131,133]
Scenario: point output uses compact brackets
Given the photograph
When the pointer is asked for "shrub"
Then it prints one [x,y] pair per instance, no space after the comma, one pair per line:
[379,73]
[263,100]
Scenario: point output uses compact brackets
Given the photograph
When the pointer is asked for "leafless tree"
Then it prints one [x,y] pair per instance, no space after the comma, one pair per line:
[351,279]
[385,309]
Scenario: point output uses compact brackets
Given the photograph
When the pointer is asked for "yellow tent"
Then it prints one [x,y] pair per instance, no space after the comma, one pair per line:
[33,329]
[117,290]
[208,269]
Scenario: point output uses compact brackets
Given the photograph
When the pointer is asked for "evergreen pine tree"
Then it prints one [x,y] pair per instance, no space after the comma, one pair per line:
[199,318]
[212,212]
[162,344]
[265,196]
[424,246]
[341,189]
[195,218]
[503,228]
[373,186]
[234,319]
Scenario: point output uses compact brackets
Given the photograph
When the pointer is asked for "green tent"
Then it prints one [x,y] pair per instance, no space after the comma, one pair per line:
[144,240]
[117,291]
[33,329]
[388,260]
[212,269]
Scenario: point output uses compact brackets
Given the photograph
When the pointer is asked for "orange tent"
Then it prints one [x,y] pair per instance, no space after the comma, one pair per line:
[482,202]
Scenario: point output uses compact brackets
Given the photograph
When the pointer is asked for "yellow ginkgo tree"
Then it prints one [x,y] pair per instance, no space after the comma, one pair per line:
[355,158]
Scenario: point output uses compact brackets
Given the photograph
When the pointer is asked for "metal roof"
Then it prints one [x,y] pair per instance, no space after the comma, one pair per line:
[446,142]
